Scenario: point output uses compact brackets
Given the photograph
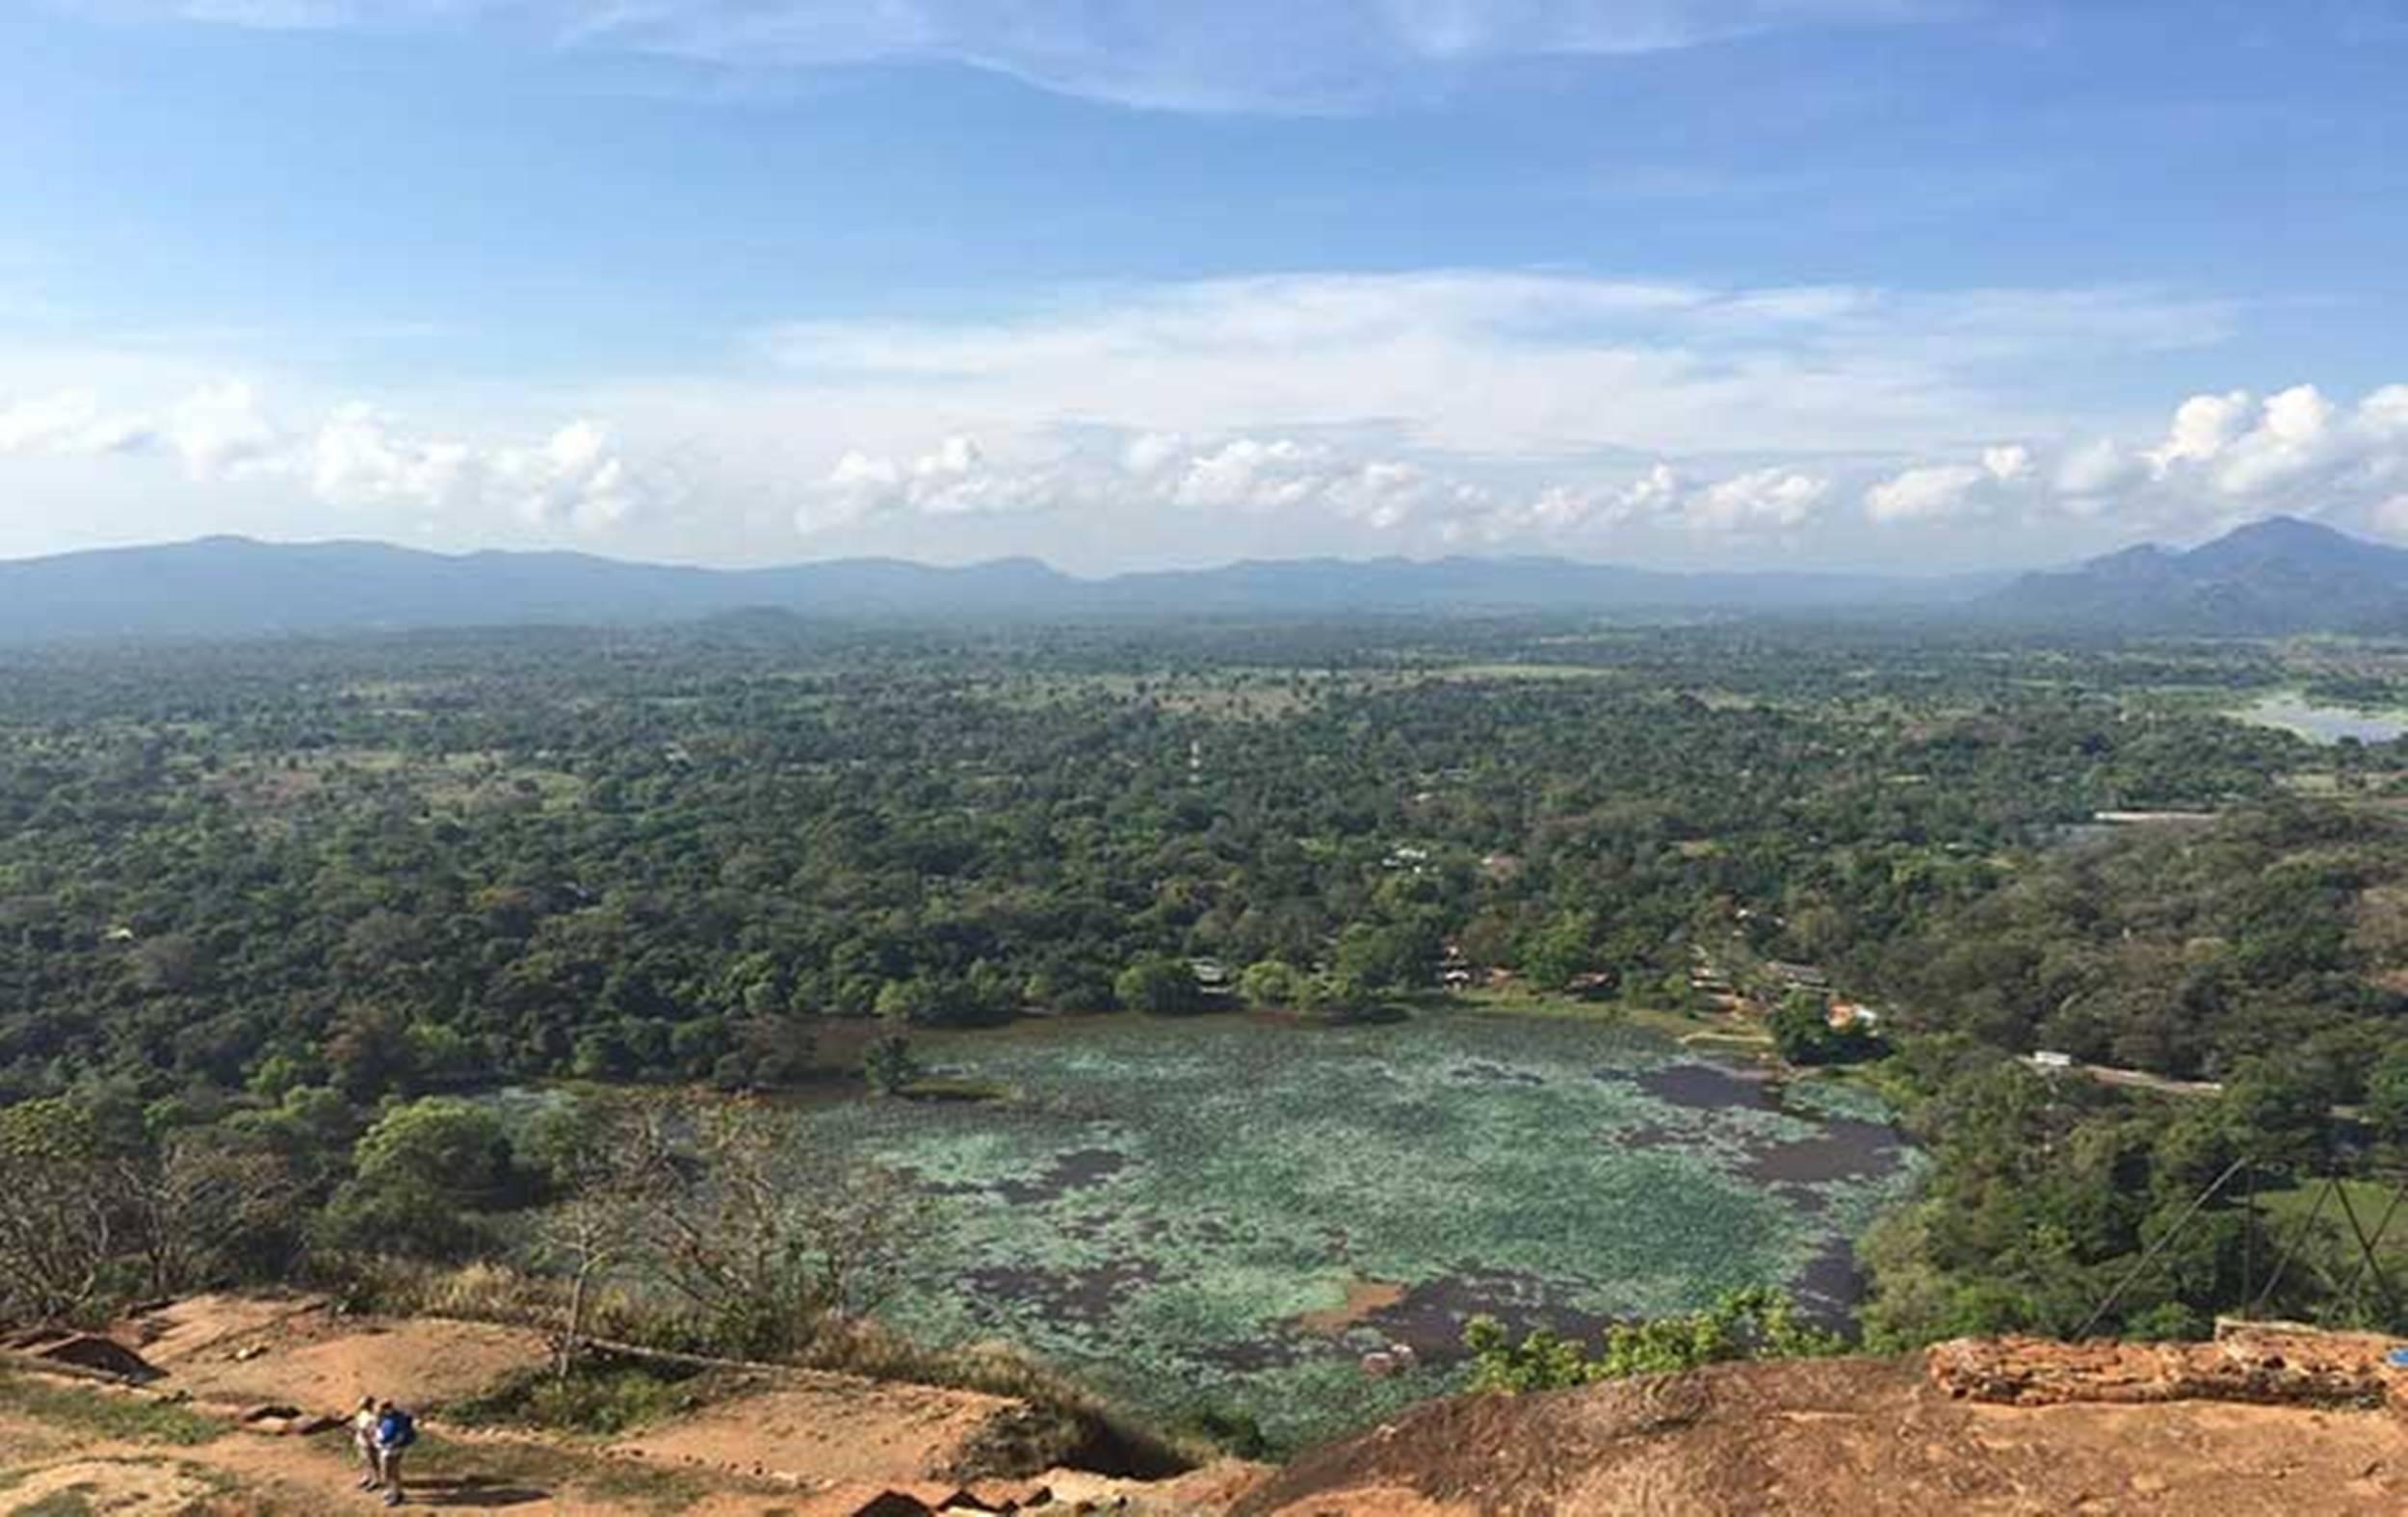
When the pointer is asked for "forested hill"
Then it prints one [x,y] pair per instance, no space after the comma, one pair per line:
[2270,578]
[220,586]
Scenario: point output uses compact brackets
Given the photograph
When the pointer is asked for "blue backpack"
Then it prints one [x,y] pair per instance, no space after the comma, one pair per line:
[397,1430]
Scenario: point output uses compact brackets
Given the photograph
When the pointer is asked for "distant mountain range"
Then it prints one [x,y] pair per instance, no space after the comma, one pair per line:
[220,586]
[2275,576]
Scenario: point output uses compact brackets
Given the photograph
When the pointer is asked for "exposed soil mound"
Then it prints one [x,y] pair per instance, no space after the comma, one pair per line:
[826,1427]
[171,1332]
[1847,1437]
[92,1351]
[308,1356]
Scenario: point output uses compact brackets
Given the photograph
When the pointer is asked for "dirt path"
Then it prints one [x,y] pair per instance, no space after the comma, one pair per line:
[248,1473]
[792,1441]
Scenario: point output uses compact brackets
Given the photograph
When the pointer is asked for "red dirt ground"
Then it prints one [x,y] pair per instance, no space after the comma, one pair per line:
[1847,1438]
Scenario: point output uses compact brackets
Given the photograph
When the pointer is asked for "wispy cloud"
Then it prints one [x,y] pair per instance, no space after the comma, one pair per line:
[1235,55]
[1488,363]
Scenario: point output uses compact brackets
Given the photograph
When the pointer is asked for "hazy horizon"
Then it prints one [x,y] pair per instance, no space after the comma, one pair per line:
[1202,561]
[1859,285]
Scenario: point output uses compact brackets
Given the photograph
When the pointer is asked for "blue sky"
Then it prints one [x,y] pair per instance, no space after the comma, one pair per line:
[1922,283]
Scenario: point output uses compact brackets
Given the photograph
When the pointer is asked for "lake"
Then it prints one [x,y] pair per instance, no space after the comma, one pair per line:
[1226,1213]
[2293,712]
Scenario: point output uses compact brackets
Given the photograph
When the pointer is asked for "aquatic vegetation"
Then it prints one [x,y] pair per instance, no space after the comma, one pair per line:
[1165,1200]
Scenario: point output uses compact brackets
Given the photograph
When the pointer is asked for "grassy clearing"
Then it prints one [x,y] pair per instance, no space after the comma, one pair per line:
[1521,1001]
[117,1414]
[1689,1028]
[2285,1209]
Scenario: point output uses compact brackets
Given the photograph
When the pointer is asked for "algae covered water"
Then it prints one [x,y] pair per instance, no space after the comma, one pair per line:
[1223,1215]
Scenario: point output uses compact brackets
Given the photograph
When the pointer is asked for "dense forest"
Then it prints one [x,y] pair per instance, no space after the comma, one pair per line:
[255,894]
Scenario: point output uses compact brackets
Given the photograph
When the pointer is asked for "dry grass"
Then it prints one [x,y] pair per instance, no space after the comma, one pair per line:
[120,1416]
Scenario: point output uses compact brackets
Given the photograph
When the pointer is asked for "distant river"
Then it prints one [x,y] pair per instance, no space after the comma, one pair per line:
[2293,712]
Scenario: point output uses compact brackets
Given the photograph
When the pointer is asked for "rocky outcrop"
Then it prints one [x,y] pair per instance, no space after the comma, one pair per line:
[2270,1364]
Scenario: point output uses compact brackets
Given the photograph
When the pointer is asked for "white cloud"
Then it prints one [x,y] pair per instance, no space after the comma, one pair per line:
[1944,490]
[1232,55]
[2295,447]
[355,459]
[2097,468]
[1483,362]
[575,476]
[67,422]
[221,431]
[2204,426]
[2009,461]
[1295,480]
[1936,490]
[2223,458]
[955,479]
[1305,413]
[1241,476]
[2220,457]
[2384,413]
[1761,499]
[1749,505]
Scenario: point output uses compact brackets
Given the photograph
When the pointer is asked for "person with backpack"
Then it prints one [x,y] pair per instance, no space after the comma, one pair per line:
[364,1441]
[395,1432]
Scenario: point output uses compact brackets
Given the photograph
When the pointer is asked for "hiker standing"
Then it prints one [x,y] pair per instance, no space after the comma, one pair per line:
[364,1442]
[395,1432]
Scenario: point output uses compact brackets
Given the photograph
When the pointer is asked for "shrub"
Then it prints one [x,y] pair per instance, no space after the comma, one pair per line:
[1758,1323]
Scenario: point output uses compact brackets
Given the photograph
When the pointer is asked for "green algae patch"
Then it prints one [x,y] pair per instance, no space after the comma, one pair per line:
[1178,1211]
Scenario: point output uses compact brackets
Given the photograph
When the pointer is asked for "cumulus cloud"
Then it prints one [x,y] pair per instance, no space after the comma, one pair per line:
[954,479]
[1398,413]
[1300,481]
[1951,489]
[2222,456]
[1936,490]
[2097,469]
[354,458]
[1239,475]
[1268,476]
[1761,499]
[219,431]
[1234,55]
[575,476]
